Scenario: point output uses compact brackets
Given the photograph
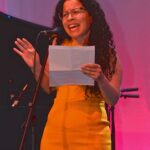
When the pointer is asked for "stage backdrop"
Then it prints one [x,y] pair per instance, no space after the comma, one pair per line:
[130,23]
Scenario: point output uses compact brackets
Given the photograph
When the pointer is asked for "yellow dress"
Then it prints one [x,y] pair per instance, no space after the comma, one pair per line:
[76,123]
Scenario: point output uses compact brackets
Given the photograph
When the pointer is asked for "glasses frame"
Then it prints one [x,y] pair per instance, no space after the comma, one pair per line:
[73,12]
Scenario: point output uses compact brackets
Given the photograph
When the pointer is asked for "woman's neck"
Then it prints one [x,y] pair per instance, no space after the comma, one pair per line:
[82,40]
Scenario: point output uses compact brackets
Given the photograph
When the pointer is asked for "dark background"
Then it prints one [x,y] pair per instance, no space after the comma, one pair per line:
[14,75]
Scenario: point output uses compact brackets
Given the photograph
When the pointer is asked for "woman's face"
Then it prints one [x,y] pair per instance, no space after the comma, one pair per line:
[76,20]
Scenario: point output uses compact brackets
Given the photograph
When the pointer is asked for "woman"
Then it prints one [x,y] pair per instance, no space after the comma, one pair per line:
[78,120]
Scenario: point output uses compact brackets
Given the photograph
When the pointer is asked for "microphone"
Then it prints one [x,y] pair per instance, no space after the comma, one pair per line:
[130,95]
[129,89]
[57,31]
[17,100]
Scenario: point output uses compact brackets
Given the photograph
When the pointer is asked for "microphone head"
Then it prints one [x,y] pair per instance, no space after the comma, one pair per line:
[57,30]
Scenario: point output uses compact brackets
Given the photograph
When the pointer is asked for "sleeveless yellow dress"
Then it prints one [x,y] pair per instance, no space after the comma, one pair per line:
[76,122]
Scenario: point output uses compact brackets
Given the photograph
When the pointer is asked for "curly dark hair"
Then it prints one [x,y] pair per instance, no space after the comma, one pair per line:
[100,37]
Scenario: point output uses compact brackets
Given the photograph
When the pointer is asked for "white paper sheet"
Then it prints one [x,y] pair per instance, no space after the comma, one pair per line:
[65,65]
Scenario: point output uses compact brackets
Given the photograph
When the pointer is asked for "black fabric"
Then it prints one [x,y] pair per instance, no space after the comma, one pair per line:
[14,75]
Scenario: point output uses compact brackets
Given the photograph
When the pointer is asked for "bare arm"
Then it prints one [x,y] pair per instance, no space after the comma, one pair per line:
[109,89]
[27,52]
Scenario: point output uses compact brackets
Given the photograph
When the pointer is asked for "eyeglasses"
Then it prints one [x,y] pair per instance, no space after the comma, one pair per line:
[73,12]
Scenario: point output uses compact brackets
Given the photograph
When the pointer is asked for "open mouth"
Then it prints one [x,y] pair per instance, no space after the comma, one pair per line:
[73,27]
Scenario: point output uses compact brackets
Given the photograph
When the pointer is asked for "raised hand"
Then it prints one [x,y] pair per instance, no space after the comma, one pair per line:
[26,51]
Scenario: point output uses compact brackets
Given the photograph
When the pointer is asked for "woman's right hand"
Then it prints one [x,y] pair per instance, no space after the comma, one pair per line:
[26,51]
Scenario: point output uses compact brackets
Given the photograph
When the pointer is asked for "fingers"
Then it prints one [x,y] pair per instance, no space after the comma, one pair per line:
[92,70]
[91,67]
[23,45]
[27,43]
[19,45]
[18,52]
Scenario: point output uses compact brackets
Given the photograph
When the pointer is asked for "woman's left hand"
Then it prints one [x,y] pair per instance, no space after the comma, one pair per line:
[92,70]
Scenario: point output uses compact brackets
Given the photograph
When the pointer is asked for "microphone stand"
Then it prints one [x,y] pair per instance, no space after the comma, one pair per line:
[30,117]
[112,113]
